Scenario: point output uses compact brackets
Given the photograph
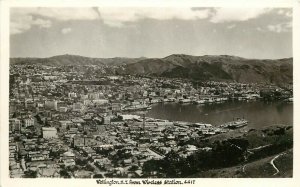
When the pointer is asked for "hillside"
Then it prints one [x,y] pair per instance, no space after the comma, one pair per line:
[215,68]
[257,169]
[223,67]
[265,144]
[73,60]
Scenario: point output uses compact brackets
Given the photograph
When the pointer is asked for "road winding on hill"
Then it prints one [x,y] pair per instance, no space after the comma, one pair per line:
[272,163]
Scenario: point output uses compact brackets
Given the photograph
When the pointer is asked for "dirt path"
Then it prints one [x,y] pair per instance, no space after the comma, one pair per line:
[272,163]
[260,147]
[243,169]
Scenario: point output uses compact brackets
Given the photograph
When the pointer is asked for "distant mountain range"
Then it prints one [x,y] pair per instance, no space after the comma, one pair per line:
[67,60]
[222,67]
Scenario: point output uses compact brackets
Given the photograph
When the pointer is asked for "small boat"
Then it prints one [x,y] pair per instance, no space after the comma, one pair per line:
[185,101]
[218,100]
[290,100]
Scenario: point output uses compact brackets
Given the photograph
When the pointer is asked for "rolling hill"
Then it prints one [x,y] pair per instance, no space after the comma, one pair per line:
[208,67]
[67,60]
[221,67]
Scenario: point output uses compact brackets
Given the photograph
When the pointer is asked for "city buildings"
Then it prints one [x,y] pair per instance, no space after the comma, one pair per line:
[63,124]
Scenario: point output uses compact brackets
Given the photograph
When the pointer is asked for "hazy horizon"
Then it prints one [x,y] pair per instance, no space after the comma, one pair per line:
[152,57]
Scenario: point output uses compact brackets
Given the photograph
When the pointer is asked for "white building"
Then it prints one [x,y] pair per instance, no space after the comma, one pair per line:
[72,95]
[93,96]
[101,101]
[28,122]
[64,124]
[49,132]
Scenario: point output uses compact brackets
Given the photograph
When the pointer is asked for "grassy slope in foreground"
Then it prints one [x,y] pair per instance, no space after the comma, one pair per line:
[261,164]
[256,169]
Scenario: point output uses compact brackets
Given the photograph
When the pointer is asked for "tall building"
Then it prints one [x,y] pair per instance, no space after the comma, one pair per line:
[28,122]
[52,105]
[49,132]
[83,140]
[14,125]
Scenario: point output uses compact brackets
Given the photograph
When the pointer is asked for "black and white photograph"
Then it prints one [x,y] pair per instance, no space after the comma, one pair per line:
[162,92]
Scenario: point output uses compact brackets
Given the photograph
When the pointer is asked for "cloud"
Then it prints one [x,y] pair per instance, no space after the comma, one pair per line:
[281,27]
[118,16]
[237,14]
[24,23]
[285,12]
[22,19]
[63,14]
[231,26]
[259,29]
[66,30]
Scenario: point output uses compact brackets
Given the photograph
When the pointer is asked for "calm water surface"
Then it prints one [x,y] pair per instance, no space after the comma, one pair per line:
[258,113]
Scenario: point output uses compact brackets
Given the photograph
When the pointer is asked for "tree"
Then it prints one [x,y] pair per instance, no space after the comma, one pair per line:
[88,167]
[64,173]
[240,142]
[120,155]
[104,152]
[171,164]
[229,152]
[30,174]
[152,166]
[17,138]
[14,115]
[109,175]
[133,168]
[38,118]
[98,176]
[81,162]
[72,168]
[55,154]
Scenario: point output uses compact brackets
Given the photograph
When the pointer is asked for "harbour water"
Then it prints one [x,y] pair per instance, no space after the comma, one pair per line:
[258,113]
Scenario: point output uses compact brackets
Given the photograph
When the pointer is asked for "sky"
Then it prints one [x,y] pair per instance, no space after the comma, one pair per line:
[261,33]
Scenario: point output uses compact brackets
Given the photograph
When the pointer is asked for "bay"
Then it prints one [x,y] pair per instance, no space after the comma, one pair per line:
[258,113]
